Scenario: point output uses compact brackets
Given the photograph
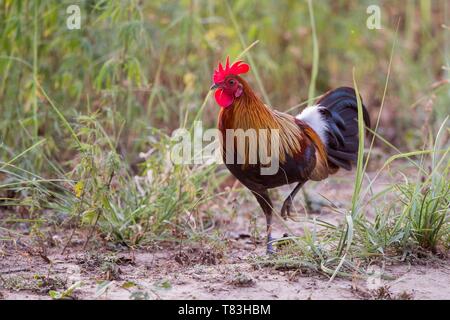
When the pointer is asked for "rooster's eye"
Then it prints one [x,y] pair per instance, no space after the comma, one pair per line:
[231,82]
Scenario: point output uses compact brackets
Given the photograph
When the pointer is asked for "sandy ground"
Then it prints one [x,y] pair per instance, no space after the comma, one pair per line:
[195,272]
[157,275]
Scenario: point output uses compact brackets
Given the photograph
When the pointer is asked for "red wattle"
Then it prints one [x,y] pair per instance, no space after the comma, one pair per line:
[222,98]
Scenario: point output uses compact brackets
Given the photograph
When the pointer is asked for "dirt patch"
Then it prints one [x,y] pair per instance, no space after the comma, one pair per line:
[193,271]
[154,275]
[193,256]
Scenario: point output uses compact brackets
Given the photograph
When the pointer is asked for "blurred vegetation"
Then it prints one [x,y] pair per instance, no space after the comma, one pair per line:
[149,63]
[79,106]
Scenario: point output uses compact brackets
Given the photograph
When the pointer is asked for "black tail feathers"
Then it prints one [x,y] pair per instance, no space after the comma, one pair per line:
[340,109]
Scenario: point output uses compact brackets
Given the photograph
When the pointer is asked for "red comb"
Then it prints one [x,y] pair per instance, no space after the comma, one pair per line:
[236,68]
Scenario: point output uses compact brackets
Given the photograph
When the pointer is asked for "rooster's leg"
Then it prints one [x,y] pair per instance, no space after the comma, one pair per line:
[286,208]
[266,204]
[269,249]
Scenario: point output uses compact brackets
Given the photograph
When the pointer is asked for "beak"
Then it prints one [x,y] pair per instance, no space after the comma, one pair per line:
[214,86]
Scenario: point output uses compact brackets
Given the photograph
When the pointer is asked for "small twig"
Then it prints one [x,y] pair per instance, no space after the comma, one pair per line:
[111,176]
[77,218]
[15,270]
[45,258]
[91,231]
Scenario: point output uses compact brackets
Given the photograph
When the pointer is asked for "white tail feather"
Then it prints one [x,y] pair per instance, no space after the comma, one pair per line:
[312,116]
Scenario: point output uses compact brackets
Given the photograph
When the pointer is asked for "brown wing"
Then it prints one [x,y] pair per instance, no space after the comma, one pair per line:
[321,169]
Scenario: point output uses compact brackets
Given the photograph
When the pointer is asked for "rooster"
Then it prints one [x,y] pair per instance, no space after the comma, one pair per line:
[312,145]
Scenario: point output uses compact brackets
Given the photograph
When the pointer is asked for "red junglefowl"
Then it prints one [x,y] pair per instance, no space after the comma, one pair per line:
[312,145]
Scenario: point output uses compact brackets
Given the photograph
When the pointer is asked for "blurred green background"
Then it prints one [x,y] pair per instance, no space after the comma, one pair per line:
[143,64]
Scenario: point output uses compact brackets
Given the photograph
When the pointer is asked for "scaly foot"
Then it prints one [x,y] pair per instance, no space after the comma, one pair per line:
[270,249]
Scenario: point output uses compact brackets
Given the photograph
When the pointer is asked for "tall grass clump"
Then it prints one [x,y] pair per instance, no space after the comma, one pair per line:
[101,193]
[157,204]
[427,202]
